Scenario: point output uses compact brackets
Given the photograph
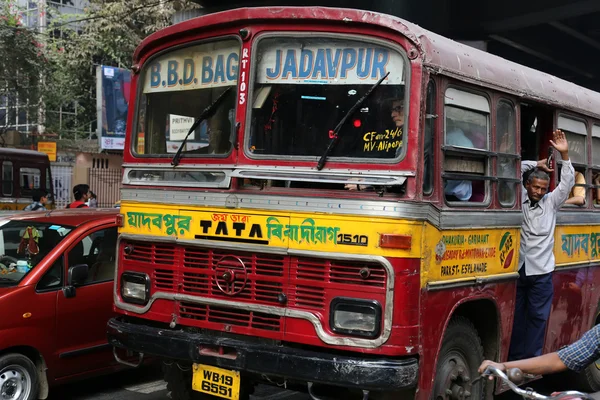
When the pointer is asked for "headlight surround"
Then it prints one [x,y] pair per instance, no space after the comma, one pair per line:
[355,317]
[135,287]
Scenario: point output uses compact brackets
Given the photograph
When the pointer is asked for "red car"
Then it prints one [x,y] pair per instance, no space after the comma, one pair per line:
[56,278]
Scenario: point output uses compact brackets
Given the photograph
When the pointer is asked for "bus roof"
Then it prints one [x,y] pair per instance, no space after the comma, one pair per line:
[441,54]
[9,151]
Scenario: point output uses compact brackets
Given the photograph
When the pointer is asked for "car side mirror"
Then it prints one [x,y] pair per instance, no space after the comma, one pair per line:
[77,275]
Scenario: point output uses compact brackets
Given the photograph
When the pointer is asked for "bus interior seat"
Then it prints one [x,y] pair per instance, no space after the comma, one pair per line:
[478,190]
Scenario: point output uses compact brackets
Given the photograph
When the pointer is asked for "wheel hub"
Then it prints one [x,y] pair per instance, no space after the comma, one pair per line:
[454,382]
[13,384]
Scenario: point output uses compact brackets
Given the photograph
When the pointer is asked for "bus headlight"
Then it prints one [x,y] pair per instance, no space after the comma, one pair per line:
[135,287]
[355,317]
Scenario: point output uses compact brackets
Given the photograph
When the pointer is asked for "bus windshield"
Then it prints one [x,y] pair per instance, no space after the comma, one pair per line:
[177,87]
[304,86]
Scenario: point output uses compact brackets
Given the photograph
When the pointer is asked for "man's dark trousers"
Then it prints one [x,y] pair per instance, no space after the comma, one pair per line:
[532,308]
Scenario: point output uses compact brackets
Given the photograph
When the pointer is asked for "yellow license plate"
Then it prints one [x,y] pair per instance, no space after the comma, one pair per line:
[216,381]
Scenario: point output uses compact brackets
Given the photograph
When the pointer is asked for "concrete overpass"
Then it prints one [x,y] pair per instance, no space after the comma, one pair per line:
[561,37]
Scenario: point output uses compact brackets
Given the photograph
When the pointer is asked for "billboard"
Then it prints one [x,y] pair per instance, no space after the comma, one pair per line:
[112,102]
[48,148]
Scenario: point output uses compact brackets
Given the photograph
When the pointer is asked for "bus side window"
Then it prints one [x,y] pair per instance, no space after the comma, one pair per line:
[576,133]
[506,142]
[467,131]
[596,164]
[7,178]
[48,186]
[428,146]
[30,179]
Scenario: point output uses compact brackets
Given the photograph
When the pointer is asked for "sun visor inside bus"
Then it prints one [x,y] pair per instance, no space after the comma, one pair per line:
[261,96]
[467,100]
[572,125]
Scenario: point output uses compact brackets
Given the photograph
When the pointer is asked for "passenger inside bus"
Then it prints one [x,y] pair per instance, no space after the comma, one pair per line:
[457,190]
[596,182]
[397,112]
[577,195]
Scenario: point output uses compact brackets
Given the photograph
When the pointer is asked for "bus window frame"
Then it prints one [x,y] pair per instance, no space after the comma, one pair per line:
[487,154]
[577,165]
[434,115]
[266,34]
[564,116]
[594,168]
[27,192]
[12,173]
[596,136]
[500,99]
[140,92]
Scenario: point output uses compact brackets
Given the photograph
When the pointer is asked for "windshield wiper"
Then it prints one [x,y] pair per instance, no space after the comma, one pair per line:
[336,137]
[6,280]
[205,114]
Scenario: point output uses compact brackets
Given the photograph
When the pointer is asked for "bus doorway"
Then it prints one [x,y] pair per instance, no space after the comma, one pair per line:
[536,123]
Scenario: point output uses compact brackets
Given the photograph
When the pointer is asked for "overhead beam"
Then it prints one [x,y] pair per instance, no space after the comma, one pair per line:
[543,16]
[576,34]
[542,56]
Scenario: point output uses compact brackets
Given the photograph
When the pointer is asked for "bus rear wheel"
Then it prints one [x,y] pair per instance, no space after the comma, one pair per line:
[587,380]
[460,356]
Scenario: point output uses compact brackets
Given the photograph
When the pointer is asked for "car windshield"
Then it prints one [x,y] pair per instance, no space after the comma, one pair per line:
[303,87]
[23,244]
[176,87]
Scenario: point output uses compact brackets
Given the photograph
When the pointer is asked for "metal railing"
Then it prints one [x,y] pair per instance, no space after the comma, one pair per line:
[106,183]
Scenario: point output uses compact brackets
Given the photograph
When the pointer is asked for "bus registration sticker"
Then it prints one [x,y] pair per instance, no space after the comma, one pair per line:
[216,381]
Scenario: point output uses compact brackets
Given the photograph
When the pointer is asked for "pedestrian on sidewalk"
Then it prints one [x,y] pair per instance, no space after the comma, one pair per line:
[40,197]
[93,200]
[81,193]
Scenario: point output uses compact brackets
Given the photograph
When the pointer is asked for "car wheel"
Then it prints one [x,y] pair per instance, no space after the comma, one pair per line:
[460,356]
[18,378]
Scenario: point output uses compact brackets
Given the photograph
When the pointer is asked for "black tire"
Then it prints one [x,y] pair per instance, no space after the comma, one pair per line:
[18,377]
[459,358]
[179,384]
[587,380]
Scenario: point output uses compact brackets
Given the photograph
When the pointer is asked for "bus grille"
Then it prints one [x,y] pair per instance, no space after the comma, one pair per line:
[230,316]
[303,283]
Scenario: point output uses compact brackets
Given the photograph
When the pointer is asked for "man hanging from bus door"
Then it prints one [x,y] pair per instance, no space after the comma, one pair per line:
[536,256]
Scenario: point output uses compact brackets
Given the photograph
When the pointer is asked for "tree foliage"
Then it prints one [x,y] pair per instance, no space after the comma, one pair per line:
[107,34]
[22,62]
[58,67]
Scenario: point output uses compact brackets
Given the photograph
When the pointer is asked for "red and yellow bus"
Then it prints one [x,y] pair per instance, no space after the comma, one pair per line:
[330,198]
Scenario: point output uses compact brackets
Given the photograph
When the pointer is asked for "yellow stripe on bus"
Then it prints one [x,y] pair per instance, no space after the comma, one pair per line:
[314,232]
[446,256]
